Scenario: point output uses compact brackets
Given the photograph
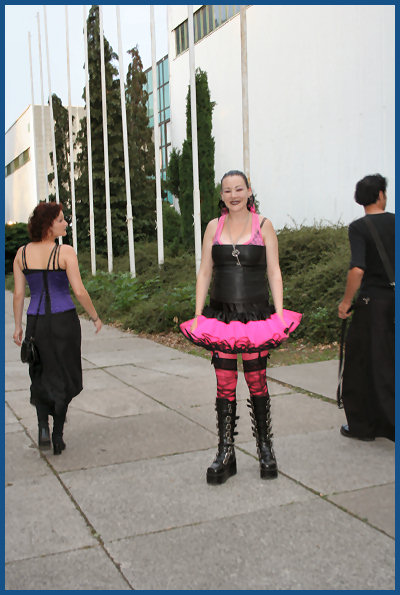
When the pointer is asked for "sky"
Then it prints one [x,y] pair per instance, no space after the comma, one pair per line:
[21,19]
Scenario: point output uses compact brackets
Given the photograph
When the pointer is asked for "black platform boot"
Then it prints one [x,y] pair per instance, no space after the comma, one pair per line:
[260,413]
[224,464]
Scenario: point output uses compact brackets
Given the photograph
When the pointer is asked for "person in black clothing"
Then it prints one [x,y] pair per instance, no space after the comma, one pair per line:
[368,391]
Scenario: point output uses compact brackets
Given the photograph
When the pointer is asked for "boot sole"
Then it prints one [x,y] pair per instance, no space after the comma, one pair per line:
[222,477]
[45,445]
[268,474]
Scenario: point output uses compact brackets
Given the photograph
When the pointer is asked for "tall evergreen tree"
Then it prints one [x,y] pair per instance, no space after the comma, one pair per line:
[61,133]
[180,169]
[115,150]
[141,151]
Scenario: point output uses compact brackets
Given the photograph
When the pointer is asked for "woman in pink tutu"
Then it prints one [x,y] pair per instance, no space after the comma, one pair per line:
[238,249]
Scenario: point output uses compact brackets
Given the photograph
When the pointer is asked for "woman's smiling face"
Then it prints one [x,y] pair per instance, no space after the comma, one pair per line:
[235,193]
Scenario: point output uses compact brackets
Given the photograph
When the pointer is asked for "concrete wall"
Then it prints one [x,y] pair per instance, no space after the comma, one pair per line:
[321,104]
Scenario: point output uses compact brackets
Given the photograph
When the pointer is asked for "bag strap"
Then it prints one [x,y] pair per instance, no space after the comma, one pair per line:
[341,361]
[381,250]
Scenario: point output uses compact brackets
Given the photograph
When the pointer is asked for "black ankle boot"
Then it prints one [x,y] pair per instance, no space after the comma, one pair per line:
[260,413]
[224,464]
[58,443]
[44,435]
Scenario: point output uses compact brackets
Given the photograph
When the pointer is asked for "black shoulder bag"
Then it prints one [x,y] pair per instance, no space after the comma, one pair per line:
[29,351]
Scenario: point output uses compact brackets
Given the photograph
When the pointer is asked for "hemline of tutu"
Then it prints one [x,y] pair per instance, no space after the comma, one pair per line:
[224,347]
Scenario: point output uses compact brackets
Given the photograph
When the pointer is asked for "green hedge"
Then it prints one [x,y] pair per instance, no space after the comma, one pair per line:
[16,235]
[314,262]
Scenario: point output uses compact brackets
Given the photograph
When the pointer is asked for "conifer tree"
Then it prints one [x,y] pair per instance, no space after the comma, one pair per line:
[180,169]
[115,150]
[141,151]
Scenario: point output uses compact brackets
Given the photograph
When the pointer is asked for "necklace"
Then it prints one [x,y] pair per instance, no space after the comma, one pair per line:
[235,251]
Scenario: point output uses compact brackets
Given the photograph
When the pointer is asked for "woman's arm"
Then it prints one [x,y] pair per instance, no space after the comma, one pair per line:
[205,271]
[354,277]
[69,260]
[18,297]
[273,269]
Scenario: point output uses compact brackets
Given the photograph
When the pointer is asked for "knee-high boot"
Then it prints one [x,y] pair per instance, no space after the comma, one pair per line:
[42,411]
[224,464]
[260,413]
[58,428]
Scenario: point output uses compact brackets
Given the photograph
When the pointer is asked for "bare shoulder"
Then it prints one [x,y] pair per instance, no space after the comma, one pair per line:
[211,227]
[267,222]
[67,253]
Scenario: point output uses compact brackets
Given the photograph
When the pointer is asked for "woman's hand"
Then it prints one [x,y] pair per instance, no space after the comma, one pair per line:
[343,309]
[98,324]
[17,336]
[193,326]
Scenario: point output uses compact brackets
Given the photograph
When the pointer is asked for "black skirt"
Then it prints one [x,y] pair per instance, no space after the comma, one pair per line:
[369,370]
[57,378]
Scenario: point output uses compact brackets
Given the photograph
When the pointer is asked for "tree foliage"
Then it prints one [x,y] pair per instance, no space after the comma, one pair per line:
[180,169]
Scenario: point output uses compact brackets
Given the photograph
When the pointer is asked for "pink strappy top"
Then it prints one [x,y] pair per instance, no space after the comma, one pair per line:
[256,238]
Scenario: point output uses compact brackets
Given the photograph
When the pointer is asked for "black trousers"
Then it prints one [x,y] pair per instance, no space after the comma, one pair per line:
[369,368]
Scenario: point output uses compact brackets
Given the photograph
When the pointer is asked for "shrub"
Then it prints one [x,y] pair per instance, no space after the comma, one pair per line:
[16,235]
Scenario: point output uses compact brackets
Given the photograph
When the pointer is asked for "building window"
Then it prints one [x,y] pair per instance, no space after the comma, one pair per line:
[163,112]
[18,162]
[205,20]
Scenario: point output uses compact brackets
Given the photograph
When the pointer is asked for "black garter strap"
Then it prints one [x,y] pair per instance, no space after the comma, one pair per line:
[259,363]
[224,363]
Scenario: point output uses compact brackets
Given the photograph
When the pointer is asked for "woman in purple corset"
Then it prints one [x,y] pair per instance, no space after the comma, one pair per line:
[49,269]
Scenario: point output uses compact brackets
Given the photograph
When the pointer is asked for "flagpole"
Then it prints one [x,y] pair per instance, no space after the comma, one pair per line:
[71,140]
[129,218]
[53,137]
[105,142]
[245,96]
[34,156]
[44,143]
[160,234]
[89,150]
[195,158]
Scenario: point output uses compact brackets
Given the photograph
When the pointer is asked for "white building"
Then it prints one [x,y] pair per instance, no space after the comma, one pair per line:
[25,172]
[321,92]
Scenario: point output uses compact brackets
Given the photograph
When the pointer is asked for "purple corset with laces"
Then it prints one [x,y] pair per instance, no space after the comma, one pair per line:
[60,297]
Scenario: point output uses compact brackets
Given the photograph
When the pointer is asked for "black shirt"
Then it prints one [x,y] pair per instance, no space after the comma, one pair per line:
[364,253]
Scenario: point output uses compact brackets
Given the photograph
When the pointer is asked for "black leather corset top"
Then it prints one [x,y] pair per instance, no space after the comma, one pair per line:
[234,283]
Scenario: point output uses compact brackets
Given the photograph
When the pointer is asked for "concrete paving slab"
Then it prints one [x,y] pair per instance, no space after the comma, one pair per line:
[88,569]
[320,378]
[116,402]
[176,493]
[22,459]
[291,414]
[329,463]
[95,441]
[376,505]
[98,379]
[146,352]
[306,545]
[9,417]
[41,519]
[18,401]
[16,375]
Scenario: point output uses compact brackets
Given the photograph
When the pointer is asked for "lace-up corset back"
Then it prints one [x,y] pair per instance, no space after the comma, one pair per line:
[57,281]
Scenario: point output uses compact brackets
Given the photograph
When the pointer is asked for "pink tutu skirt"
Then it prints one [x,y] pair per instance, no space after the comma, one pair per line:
[241,337]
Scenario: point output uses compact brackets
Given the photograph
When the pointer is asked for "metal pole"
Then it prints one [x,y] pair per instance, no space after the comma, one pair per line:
[89,151]
[53,138]
[105,141]
[44,154]
[129,219]
[195,158]
[71,140]
[160,234]
[34,156]
[245,96]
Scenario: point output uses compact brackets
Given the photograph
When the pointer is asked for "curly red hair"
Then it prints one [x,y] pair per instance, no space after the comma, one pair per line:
[42,219]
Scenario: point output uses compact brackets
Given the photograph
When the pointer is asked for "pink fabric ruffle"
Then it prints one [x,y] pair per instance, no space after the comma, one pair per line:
[239,337]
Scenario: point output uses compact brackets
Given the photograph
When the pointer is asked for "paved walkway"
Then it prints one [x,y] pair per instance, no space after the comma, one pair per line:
[126,506]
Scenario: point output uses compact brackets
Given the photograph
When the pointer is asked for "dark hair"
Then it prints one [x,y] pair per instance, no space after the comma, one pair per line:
[236,172]
[42,219]
[367,189]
